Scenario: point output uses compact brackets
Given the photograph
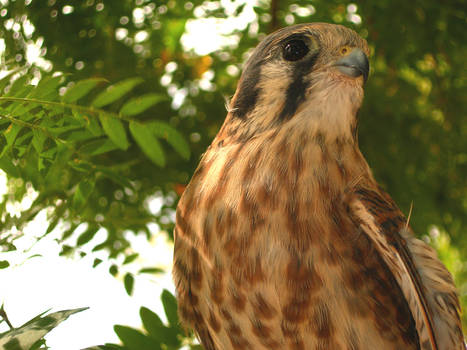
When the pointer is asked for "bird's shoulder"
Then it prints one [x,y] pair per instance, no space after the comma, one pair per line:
[425,282]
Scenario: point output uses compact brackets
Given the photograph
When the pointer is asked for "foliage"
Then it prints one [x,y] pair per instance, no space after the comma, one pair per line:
[133,109]
[30,335]
[156,334]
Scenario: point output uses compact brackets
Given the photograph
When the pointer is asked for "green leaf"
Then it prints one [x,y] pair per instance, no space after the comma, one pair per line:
[115,177]
[80,89]
[82,193]
[153,270]
[96,262]
[80,135]
[113,127]
[157,330]
[96,147]
[19,87]
[10,135]
[82,166]
[172,136]
[47,86]
[116,91]
[113,270]
[140,104]
[91,122]
[170,307]
[4,264]
[129,282]
[130,258]
[87,235]
[8,167]
[28,334]
[148,143]
[7,78]
[38,140]
[134,340]
[38,345]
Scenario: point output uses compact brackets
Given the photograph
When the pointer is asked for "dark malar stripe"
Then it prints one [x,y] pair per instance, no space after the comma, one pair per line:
[247,89]
[295,93]
[247,92]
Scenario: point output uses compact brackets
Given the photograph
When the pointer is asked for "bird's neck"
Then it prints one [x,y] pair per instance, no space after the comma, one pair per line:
[314,154]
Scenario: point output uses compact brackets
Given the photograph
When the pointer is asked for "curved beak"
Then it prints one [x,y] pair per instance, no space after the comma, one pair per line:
[354,64]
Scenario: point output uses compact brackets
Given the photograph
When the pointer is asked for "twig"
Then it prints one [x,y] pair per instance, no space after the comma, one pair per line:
[5,317]
[274,13]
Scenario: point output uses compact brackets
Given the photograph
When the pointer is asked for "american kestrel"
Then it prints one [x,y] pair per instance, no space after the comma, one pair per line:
[283,238]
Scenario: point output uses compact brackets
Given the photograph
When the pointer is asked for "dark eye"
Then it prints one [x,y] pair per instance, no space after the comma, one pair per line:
[294,50]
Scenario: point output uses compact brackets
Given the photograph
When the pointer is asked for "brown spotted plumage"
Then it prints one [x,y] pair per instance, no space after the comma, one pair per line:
[283,238]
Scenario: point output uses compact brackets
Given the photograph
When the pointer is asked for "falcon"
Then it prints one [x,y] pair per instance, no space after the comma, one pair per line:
[283,238]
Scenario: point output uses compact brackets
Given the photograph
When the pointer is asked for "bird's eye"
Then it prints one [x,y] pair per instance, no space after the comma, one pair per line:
[294,50]
[344,50]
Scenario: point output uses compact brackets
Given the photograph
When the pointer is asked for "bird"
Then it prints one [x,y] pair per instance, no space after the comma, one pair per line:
[283,237]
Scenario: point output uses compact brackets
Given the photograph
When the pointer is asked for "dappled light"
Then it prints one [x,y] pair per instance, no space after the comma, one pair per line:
[107,106]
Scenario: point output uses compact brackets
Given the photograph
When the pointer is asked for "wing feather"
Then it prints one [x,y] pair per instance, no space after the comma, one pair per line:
[425,282]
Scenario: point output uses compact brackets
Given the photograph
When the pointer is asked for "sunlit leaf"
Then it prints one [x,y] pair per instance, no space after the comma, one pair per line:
[170,307]
[145,138]
[38,140]
[113,127]
[7,78]
[46,88]
[96,262]
[8,167]
[153,270]
[82,193]
[172,136]
[140,104]
[32,331]
[113,270]
[19,87]
[100,146]
[81,166]
[116,91]
[157,330]
[115,177]
[87,235]
[4,264]
[133,339]
[129,282]
[130,258]
[10,135]
[91,122]
[80,89]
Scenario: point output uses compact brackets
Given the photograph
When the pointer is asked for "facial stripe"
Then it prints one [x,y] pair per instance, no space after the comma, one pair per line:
[248,92]
[295,93]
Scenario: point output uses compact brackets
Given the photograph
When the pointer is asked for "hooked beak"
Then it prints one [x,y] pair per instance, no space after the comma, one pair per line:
[354,64]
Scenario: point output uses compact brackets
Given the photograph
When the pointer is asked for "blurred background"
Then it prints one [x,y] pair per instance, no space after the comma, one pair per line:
[88,195]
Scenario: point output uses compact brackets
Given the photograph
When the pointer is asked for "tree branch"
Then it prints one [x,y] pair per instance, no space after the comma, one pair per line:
[274,15]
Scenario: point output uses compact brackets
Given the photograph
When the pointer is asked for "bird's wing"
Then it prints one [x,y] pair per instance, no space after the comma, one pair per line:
[426,284]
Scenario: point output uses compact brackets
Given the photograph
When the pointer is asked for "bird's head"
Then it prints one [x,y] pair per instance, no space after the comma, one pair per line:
[307,73]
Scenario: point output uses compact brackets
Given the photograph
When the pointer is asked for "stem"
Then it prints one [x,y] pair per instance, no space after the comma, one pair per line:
[274,11]
[5,317]
[89,110]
